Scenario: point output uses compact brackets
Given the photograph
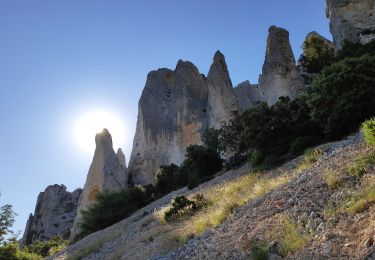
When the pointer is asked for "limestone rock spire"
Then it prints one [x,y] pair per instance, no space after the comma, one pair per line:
[106,174]
[279,74]
[222,104]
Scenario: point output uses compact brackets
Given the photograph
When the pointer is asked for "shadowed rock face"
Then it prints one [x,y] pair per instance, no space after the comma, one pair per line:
[107,173]
[279,74]
[175,108]
[222,104]
[247,95]
[54,214]
[351,20]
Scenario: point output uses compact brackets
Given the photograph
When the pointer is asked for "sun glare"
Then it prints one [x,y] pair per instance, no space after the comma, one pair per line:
[90,124]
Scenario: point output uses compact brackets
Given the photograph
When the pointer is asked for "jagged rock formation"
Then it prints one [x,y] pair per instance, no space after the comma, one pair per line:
[107,173]
[279,74]
[247,95]
[222,104]
[54,214]
[175,108]
[351,20]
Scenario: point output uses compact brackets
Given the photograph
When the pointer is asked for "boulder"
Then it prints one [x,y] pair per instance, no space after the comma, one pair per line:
[247,95]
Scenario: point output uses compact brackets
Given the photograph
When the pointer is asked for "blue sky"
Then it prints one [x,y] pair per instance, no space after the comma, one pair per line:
[62,59]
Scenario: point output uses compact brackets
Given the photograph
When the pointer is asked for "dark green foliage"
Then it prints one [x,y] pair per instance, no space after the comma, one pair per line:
[368,129]
[317,54]
[235,161]
[49,247]
[259,253]
[211,139]
[343,96]
[180,206]
[9,251]
[271,131]
[255,158]
[200,164]
[355,50]
[110,208]
[169,178]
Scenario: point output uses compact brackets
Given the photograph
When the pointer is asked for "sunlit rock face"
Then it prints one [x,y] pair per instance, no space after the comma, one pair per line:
[171,115]
[247,95]
[351,20]
[107,173]
[54,214]
[175,108]
[279,74]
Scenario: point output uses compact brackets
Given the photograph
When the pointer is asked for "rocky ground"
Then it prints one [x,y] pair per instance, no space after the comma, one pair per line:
[301,206]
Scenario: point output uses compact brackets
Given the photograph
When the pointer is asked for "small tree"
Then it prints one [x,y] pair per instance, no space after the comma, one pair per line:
[6,222]
[211,139]
[317,53]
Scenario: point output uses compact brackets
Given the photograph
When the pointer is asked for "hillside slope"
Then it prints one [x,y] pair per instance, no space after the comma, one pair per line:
[309,210]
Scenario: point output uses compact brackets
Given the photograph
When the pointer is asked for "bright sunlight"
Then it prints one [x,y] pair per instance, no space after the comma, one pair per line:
[89,124]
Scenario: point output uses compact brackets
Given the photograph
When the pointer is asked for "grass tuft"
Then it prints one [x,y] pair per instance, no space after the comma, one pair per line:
[333,179]
[360,165]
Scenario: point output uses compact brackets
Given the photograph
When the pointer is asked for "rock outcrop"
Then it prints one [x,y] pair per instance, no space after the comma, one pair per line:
[171,115]
[54,214]
[175,108]
[222,104]
[107,173]
[279,74]
[247,95]
[351,20]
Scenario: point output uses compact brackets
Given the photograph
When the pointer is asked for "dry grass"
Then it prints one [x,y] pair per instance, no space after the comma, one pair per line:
[333,179]
[309,158]
[360,165]
[222,200]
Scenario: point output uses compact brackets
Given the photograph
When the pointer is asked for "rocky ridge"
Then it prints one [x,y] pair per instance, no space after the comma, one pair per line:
[54,214]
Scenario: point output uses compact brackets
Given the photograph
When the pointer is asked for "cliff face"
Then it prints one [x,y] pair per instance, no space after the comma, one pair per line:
[247,95]
[279,74]
[107,173]
[351,20]
[171,115]
[222,104]
[175,108]
[54,214]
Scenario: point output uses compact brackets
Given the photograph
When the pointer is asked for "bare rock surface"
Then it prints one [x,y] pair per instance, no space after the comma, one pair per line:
[247,95]
[222,104]
[106,174]
[54,214]
[279,74]
[175,108]
[351,20]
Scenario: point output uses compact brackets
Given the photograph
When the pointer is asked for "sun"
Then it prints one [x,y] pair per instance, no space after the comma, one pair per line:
[88,125]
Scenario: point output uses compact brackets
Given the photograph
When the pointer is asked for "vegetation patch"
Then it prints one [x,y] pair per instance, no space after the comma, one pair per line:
[361,164]
[310,156]
[368,129]
[333,179]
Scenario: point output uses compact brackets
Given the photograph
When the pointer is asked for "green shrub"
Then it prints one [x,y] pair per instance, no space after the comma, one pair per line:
[343,96]
[211,139]
[200,164]
[180,207]
[255,158]
[47,248]
[317,53]
[259,253]
[299,145]
[350,49]
[111,208]
[12,251]
[311,155]
[169,178]
[368,129]
[361,164]
[235,161]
